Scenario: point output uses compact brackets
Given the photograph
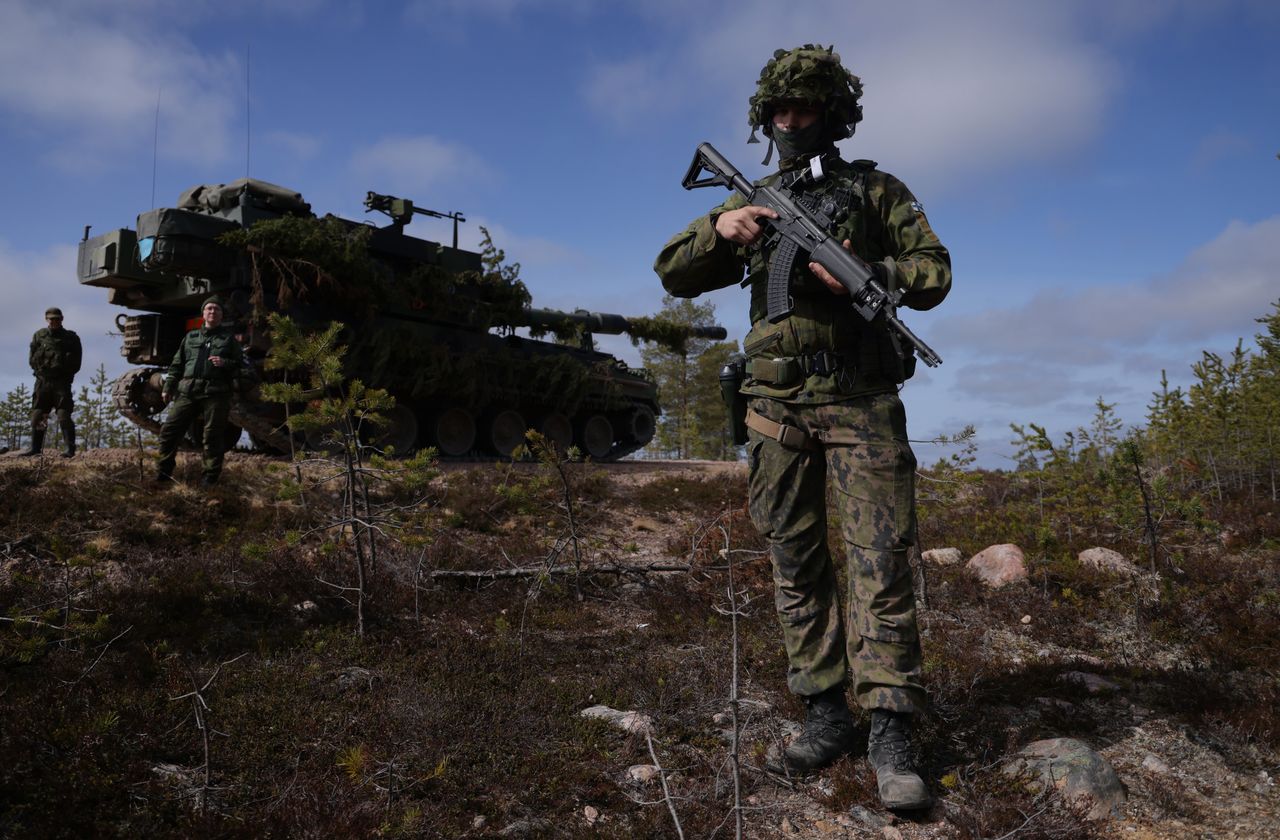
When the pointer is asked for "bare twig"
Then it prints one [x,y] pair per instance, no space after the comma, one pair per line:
[563,569]
[101,654]
[666,792]
[734,608]
[199,707]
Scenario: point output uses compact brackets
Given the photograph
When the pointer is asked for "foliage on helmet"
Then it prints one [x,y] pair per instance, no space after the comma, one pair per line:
[810,74]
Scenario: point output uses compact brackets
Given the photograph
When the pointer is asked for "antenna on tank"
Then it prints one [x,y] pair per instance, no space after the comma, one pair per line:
[246,110]
[155,148]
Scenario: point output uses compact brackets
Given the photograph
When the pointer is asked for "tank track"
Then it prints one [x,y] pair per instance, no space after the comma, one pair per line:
[127,392]
[130,392]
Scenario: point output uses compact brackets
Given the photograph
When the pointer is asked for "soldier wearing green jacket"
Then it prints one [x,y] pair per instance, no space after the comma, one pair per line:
[204,373]
[55,360]
[823,387]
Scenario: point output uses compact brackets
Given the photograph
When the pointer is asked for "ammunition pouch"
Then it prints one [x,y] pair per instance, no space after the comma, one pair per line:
[784,371]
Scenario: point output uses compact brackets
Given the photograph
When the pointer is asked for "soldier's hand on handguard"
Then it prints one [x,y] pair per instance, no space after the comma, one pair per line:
[740,226]
[826,277]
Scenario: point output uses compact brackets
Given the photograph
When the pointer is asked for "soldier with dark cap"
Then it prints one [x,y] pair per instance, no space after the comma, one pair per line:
[201,378]
[823,387]
[55,360]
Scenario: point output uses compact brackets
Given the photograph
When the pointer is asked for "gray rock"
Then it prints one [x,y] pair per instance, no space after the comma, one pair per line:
[351,678]
[642,774]
[1106,560]
[1091,683]
[630,722]
[1054,704]
[867,818]
[942,556]
[1155,764]
[1079,774]
[999,565]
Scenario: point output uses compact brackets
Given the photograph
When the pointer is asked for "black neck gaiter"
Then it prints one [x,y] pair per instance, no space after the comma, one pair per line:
[804,141]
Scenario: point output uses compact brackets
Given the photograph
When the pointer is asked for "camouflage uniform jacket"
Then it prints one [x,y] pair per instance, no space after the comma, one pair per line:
[191,373]
[55,354]
[886,227]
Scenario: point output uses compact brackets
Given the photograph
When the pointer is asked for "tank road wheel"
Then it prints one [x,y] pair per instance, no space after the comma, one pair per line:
[638,425]
[557,428]
[399,433]
[504,431]
[595,435]
[454,431]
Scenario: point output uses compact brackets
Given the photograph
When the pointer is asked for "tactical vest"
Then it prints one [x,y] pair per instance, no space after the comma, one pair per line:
[191,373]
[823,352]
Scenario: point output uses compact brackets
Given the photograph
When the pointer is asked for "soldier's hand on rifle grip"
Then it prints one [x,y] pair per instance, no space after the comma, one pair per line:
[740,226]
[825,276]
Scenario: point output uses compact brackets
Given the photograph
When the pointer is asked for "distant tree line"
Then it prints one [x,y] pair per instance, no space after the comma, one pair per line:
[1207,454]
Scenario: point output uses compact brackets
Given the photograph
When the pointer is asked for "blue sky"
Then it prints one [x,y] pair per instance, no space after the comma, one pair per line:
[1104,173]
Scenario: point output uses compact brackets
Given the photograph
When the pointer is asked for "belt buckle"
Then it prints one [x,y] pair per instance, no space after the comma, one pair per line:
[826,363]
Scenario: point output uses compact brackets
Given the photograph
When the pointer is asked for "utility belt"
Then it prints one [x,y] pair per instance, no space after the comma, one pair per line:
[783,371]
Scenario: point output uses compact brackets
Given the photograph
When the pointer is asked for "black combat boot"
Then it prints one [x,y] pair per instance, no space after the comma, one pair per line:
[36,446]
[69,439]
[889,751]
[827,735]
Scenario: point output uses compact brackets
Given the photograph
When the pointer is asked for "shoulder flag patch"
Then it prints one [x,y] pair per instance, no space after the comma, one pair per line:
[917,206]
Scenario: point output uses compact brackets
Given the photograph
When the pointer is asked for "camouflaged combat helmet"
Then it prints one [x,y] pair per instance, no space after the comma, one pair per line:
[807,74]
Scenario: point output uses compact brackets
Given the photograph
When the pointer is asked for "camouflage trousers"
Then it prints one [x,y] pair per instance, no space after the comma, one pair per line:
[51,395]
[865,455]
[182,412]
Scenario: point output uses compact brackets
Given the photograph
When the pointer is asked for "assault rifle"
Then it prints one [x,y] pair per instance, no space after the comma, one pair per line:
[802,229]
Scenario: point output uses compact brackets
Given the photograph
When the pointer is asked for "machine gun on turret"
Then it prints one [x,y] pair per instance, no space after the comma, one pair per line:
[402,210]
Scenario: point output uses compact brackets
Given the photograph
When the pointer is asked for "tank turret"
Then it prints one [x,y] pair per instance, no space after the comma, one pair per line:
[433,324]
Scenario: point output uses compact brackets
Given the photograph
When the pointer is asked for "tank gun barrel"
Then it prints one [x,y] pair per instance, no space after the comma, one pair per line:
[594,322]
[607,323]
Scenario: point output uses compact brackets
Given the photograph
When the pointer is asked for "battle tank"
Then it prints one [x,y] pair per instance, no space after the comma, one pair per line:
[433,324]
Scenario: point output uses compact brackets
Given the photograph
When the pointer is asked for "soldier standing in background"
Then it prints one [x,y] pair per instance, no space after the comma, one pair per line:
[206,369]
[823,387]
[55,360]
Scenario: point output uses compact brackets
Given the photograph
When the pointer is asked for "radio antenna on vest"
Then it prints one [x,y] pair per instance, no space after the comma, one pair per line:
[155,148]
[246,110]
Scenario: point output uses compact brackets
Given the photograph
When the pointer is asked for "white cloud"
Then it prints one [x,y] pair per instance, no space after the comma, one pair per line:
[31,282]
[414,164]
[1018,83]
[1059,351]
[93,86]
[1218,290]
